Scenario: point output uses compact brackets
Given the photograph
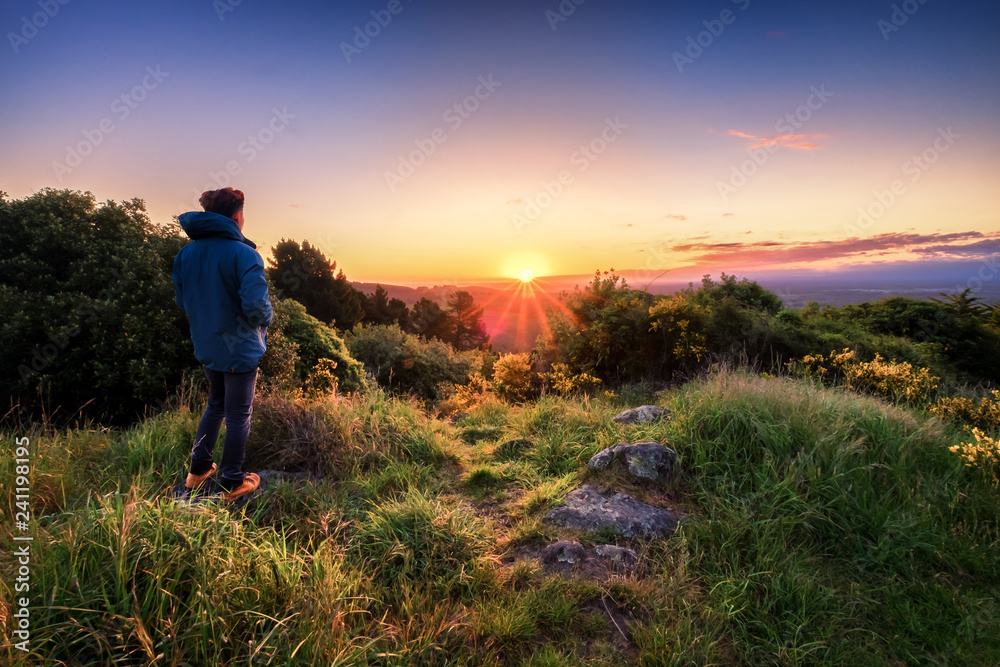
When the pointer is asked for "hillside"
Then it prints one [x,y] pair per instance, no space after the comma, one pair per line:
[824,528]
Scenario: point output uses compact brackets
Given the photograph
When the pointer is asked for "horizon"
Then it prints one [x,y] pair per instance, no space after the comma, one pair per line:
[457,144]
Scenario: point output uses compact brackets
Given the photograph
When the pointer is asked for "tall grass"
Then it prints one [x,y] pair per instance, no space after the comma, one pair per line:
[824,528]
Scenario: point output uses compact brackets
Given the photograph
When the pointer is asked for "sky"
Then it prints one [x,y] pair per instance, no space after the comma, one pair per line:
[425,142]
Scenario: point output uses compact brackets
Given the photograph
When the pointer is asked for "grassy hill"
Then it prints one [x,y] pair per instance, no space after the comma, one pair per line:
[826,528]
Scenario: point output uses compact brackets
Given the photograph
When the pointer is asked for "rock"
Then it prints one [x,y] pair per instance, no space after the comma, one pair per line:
[591,510]
[618,555]
[564,551]
[649,460]
[574,553]
[642,415]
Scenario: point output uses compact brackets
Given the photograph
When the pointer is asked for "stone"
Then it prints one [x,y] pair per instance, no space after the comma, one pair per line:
[564,551]
[589,509]
[618,555]
[644,414]
[599,557]
[649,460]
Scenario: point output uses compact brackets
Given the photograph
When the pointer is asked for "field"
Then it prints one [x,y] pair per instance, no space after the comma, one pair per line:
[825,528]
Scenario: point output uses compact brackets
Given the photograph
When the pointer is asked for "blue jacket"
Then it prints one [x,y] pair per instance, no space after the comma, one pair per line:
[220,285]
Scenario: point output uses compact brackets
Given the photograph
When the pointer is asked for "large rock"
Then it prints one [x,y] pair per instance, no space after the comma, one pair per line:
[591,510]
[649,460]
[644,414]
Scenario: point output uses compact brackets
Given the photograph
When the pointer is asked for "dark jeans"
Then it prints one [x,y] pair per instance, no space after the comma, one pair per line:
[230,396]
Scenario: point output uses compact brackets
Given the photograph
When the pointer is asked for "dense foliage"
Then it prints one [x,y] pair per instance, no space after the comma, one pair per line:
[409,363]
[88,303]
[303,273]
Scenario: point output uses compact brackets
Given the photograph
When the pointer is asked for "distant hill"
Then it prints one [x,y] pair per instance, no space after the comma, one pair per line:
[514,319]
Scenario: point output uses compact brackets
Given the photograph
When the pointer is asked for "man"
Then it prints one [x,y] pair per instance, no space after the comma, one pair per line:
[220,285]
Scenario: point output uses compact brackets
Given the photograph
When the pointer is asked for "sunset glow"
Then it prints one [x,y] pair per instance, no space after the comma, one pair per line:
[460,142]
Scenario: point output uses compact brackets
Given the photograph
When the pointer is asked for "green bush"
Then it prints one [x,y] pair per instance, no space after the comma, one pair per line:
[407,363]
[296,344]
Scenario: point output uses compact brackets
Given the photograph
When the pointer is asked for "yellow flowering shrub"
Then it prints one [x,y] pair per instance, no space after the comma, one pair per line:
[894,380]
[564,382]
[513,377]
[984,454]
[984,413]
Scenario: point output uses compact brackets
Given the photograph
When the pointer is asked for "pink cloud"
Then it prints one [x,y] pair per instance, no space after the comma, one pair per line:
[957,245]
[804,142]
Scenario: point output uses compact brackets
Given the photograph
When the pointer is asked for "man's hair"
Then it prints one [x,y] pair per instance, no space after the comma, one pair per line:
[227,202]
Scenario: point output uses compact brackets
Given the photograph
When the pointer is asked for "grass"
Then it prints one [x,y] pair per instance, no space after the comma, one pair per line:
[826,528]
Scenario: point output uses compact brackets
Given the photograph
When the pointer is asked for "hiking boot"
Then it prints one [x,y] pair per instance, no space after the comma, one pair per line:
[194,481]
[249,485]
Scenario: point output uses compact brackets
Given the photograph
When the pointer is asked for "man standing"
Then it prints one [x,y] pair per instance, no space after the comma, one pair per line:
[220,285]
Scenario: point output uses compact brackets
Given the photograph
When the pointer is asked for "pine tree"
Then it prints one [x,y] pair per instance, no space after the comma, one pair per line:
[466,322]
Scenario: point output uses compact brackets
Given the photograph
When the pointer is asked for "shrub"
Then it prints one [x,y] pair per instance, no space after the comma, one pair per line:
[983,414]
[407,363]
[897,381]
[297,342]
[513,377]
[983,455]
[564,382]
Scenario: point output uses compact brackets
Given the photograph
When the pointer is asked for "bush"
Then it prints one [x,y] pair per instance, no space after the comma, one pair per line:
[896,381]
[565,382]
[513,377]
[408,363]
[297,343]
[982,414]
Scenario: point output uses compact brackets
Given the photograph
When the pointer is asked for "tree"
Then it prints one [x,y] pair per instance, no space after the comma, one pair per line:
[304,273]
[88,303]
[430,320]
[964,304]
[466,322]
[380,309]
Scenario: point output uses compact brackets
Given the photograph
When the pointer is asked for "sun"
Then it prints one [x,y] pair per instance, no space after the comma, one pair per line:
[525,266]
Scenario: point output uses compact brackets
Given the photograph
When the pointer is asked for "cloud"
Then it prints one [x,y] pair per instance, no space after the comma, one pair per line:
[777,34]
[806,142]
[514,202]
[957,245]
[674,216]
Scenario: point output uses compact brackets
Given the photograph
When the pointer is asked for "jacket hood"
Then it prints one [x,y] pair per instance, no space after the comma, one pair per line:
[206,225]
